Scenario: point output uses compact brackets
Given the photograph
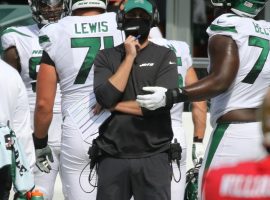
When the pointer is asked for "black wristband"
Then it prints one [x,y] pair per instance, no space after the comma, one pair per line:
[197,139]
[175,96]
[40,143]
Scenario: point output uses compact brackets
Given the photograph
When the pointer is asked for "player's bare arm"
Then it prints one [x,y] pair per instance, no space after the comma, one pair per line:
[199,108]
[11,56]
[224,64]
[46,90]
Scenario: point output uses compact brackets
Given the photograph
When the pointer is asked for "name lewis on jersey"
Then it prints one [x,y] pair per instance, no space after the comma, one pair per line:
[96,27]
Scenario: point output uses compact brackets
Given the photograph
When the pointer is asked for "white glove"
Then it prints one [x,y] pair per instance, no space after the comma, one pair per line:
[41,159]
[153,101]
[197,152]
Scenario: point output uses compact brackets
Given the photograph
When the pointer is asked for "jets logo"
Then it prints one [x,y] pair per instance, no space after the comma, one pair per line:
[146,65]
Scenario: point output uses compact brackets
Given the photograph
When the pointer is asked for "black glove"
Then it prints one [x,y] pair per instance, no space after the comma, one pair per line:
[175,96]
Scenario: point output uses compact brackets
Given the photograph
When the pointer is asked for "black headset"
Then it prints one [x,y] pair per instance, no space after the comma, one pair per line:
[120,15]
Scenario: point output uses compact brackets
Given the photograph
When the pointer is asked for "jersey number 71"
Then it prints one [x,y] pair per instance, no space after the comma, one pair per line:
[93,44]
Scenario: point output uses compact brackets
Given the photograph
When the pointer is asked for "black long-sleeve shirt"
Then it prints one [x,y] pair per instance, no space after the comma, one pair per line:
[130,136]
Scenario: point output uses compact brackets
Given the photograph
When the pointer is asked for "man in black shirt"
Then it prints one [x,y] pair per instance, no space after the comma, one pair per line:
[134,140]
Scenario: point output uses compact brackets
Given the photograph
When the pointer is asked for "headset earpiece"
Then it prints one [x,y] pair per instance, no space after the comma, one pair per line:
[120,19]
[155,14]
[155,17]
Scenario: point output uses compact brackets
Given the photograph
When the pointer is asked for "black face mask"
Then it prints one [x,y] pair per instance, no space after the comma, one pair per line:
[137,27]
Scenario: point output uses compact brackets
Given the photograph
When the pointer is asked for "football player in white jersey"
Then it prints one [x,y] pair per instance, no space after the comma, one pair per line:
[14,108]
[239,75]
[23,52]
[186,76]
[69,49]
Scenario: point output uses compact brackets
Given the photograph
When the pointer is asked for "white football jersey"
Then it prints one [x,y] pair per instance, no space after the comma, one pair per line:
[14,108]
[72,44]
[253,78]
[25,39]
[184,61]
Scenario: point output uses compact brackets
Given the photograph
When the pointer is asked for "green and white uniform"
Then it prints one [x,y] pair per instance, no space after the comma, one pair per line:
[25,39]
[184,62]
[72,45]
[252,38]
[234,142]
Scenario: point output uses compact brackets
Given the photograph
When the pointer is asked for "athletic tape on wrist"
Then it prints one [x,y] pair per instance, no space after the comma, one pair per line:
[197,139]
[40,143]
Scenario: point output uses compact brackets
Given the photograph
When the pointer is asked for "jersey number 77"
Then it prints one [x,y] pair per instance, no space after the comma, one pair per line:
[257,68]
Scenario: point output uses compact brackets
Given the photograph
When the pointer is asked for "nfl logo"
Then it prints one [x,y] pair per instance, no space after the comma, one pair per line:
[248,4]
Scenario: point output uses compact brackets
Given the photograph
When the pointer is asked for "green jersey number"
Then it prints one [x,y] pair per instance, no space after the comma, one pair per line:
[33,63]
[180,81]
[93,44]
[257,68]
[179,64]
[180,77]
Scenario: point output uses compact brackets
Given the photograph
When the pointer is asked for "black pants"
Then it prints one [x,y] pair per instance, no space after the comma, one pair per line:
[5,183]
[144,178]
